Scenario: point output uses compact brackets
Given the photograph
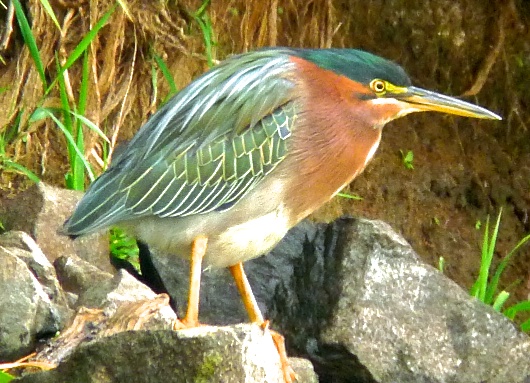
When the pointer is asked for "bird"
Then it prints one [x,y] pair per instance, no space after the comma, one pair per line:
[228,165]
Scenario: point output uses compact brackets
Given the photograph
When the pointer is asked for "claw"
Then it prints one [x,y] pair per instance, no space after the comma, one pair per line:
[279,341]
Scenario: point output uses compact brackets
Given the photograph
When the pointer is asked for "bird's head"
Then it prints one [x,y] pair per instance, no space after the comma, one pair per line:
[382,89]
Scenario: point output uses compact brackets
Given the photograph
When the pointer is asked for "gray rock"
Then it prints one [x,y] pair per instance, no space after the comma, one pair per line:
[41,211]
[239,354]
[29,310]
[39,265]
[406,322]
[356,299]
[110,294]
[77,275]
[305,373]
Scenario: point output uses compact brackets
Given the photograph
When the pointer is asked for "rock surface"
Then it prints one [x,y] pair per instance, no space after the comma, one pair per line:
[238,354]
[76,275]
[40,211]
[356,299]
[406,322]
[351,296]
[32,306]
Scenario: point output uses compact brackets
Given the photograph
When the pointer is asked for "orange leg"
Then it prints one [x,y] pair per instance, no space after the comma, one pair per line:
[198,249]
[255,316]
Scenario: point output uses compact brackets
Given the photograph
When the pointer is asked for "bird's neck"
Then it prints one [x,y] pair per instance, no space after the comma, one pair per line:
[333,142]
[325,165]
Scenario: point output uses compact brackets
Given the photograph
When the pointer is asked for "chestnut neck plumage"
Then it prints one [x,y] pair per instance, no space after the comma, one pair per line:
[334,140]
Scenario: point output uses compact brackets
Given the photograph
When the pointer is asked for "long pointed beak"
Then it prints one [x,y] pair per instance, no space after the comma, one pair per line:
[424,100]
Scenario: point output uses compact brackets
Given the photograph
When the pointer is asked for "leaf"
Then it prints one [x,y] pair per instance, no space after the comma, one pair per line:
[166,73]
[47,7]
[27,35]
[5,377]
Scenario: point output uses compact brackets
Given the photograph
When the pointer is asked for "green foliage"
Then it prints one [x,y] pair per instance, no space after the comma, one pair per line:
[29,40]
[407,158]
[486,286]
[70,117]
[124,247]
[205,24]
[512,311]
[441,264]
[8,136]
[71,129]
[483,290]
[167,75]
[48,8]
[5,377]
[82,47]
[355,197]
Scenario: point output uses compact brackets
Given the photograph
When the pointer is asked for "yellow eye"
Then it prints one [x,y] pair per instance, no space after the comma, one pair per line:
[378,86]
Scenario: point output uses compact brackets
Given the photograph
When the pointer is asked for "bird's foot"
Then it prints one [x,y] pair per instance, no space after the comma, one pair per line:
[185,324]
[279,341]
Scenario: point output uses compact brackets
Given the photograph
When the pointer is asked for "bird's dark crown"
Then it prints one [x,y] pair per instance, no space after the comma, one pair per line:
[357,65]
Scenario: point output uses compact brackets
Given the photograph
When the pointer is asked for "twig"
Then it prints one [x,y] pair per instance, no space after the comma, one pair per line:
[120,115]
[10,16]
[491,58]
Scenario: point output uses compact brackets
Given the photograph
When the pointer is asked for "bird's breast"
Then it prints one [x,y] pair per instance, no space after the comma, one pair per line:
[249,229]
[249,239]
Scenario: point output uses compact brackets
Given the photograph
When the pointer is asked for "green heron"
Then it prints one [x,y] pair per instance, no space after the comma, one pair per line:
[225,168]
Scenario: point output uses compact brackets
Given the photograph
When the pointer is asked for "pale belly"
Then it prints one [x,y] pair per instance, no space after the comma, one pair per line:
[232,236]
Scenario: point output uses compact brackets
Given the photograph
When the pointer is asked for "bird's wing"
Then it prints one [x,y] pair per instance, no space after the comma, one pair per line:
[203,150]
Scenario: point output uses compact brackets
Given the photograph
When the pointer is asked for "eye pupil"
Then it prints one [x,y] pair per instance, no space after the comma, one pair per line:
[378,86]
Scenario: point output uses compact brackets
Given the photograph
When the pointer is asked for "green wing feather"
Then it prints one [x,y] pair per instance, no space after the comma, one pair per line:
[213,176]
[203,150]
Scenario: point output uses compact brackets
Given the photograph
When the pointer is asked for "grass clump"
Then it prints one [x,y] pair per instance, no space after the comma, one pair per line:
[486,286]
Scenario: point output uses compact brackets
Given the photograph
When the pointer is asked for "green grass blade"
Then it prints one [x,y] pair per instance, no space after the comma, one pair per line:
[79,180]
[9,164]
[166,73]
[504,263]
[350,196]
[83,87]
[512,311]
[47,7]
[29,39]
[83,44]
[71,142]
[68,124]
[441,264]
[482,279]
[201,18]
[90,125]
[65,103]
[206,28]
[87,39]
[41,113]
[525,326]
[5,377]
[500,300]
[491,287]
[202,9]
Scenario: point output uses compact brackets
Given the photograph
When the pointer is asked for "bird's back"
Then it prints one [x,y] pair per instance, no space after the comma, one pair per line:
[203,150]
